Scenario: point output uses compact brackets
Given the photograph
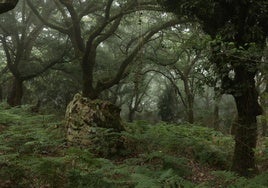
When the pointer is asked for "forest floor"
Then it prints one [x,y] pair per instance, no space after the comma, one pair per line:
[34,153]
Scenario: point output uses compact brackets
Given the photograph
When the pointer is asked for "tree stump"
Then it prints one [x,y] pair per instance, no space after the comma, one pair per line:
[94,124]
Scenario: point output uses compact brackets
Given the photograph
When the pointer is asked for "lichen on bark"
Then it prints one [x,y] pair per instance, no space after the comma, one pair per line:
[94,124]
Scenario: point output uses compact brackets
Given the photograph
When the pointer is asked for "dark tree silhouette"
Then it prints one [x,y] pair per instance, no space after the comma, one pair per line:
[234,26]
[6,5]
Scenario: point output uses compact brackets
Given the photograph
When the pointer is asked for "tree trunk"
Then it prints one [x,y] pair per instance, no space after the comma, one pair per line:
[1,94]
[190,101]
[216,118]
[216,111]
[248,108]
[87,66]
[190,114]
[87,89]
[131,115]
[264,125]
[264,102]
[16,93]
[264,115]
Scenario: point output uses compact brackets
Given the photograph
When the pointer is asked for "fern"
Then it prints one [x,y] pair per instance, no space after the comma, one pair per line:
[197,142]
[34,154]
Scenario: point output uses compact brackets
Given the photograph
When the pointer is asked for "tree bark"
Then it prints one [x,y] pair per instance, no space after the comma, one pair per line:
[216,110]
[216,118]
[190,112]
[1,94]
[248,108]
[264,102]
[16,93]
[87,65]
[190,101]
[264,116]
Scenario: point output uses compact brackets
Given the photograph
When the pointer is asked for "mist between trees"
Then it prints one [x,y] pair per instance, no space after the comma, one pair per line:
[196,62]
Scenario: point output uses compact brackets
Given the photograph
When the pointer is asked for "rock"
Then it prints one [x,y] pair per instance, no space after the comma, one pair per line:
[94,124]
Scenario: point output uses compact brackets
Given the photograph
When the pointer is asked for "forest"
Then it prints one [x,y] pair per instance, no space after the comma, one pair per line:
[133,93]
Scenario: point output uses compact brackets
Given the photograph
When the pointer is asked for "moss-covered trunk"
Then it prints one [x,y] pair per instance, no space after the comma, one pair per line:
[94,124]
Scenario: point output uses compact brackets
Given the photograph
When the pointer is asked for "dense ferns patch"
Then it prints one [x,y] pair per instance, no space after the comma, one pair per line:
[200,143]
[34,153]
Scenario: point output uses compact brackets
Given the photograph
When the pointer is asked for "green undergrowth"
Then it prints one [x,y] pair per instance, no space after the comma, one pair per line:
[227,179]
[34,153]
[197,142]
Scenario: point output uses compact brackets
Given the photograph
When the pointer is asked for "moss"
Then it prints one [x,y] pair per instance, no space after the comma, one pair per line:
[88,121]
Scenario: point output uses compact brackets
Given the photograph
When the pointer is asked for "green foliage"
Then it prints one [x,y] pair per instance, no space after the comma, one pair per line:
[25,140]
[34,154]
[224,178]
[262,154]
[50,170]
[198,142]
[228,179]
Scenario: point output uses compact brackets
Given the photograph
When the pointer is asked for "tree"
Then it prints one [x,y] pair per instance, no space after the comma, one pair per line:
[239,30]
[180,56]
[138,91]
[23,45]
[168,104]
[91,24]
[6,5]
[262,87]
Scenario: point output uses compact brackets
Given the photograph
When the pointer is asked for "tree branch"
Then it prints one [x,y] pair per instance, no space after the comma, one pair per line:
[44,69]
[45,20]
[125,63]
[10,66]
[172,81]
[75,24]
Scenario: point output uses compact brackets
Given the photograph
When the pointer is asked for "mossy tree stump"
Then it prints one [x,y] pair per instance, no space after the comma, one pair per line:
[94,124]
